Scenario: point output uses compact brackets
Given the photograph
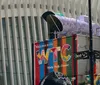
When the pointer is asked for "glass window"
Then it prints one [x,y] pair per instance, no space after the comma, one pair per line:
[13,54]
[27,66]
[25,43]
[21,67]
[5,41]
[30,27]
[19,55]
[36,27]
[11,42]
[26,54]
[0,40]
[18,38]
[4,26]
[18,42]
[1,79]
[6,54]
[23,25]
[11,26]
[7,66]
[15,79]
[8,72]
[24,33]
[17,26]
[11,32]
[22,79]
[42,24]
[29,79]
[14,67]
[8,78]
[1,66]
[0,54]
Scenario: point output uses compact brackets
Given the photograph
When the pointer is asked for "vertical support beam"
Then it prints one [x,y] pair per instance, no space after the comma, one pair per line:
[74,61]
[31,3]
[3,51]
[9,43]
[22,42]
[37,2]
[44,8]
[91,45]
[15,42]
[27,33]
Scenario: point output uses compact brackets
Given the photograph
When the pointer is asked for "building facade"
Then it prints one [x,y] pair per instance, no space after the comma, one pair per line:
[21,25]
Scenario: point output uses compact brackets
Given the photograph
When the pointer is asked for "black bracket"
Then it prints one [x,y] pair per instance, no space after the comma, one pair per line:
[82,55]
[85,54]
[97,54]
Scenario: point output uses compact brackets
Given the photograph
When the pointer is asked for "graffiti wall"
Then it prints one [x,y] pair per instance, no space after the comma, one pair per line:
[54,55]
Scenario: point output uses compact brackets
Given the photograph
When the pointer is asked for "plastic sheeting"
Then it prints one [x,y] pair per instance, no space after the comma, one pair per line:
[67,26]
[76,26]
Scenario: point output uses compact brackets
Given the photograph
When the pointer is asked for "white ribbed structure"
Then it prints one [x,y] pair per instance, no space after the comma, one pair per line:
[21,25]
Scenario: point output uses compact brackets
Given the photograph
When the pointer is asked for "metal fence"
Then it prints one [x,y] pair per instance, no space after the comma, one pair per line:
[21,24]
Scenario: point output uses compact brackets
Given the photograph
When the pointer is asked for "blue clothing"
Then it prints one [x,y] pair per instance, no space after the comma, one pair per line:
[98,82]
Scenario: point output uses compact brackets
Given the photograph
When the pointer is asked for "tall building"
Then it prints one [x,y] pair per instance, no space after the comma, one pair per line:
[21,25]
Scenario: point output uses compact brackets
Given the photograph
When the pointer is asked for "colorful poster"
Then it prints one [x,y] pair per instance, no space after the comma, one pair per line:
[53,55]
[36,65]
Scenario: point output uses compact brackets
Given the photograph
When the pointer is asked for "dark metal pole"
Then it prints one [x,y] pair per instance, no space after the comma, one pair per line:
[91,56]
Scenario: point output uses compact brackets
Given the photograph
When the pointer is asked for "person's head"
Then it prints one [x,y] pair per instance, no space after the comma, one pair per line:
[53,79]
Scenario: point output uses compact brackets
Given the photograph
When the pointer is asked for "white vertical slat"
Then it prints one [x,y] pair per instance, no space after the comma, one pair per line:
[98,7]
[15,43]
[32,19]
[3,51]
[83,6]
[94,10]
[9,44]
[14,1]
[31,2]
[45,30]
[61,5]
[22,43]
[8,2]
[99,65]
[78,7]
[44,3]
[67,8]
[92,3]
[49,4]
[38,12]
[1,2]
[98,11]
[55,5]
[72,7]
[28,38]
[87,9]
